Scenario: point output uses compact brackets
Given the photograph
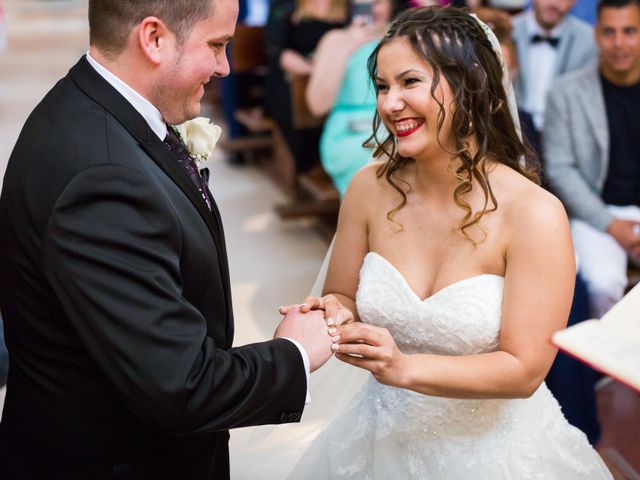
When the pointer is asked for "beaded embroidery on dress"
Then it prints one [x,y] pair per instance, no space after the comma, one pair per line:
[388,432]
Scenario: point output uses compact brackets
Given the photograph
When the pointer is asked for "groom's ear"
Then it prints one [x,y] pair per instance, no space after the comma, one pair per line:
[155,39]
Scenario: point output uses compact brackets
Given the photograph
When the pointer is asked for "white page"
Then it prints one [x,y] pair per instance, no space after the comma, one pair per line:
[603,349]
[624,316]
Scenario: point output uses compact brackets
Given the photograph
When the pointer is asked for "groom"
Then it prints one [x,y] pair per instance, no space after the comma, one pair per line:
[114,283]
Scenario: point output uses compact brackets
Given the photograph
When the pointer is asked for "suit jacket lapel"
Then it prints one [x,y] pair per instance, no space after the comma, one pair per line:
[224,268]
[166,161]
[94,86]
[564,48]
[593,100]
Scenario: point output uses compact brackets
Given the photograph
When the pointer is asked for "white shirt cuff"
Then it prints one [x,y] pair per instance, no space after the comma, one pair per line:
[305,360]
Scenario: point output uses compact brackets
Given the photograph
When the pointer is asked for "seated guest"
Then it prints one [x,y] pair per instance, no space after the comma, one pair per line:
[510,54]
[243,89]
[591,144]
[571,381]
[339,83]
[500,23]
[301,31]
[550,43]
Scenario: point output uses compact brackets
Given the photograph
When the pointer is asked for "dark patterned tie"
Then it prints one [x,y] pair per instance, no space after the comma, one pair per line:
[188,163]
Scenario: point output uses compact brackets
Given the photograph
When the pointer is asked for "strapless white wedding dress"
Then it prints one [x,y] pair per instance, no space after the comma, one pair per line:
[392,433]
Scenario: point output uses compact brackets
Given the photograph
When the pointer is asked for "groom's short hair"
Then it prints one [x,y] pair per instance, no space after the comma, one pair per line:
[111,21]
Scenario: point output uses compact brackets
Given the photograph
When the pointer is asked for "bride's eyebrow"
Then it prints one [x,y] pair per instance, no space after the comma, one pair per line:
[409,71]
[403,74]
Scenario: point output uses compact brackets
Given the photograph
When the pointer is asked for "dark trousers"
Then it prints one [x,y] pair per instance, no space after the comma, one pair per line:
[572,382]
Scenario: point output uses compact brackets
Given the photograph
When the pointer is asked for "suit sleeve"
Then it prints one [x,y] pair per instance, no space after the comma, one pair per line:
[112,255]
[561,163]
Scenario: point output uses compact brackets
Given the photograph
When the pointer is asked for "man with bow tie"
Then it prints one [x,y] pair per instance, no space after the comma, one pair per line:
[114,281]
[550,42]
[592,150]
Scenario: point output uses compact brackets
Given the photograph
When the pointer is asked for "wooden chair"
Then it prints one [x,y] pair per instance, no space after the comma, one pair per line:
[618,412]
[314,192]
[248,57]
[302,117]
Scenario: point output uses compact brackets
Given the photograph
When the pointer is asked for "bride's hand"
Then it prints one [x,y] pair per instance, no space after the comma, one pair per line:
[335,313]
[373,349]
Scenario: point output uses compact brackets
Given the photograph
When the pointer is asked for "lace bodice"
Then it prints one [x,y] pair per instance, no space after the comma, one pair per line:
[461,319]
[390,432]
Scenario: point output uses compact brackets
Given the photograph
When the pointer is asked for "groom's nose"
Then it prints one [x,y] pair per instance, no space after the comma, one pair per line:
[222,68]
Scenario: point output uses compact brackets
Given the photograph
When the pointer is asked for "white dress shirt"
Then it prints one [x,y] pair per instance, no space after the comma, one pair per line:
[154,118]
[541,68]
[144,107]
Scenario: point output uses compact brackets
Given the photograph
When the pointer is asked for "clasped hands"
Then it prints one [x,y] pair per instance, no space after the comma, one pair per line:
[359,344]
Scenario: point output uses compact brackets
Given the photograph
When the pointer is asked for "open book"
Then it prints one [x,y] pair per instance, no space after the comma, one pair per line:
[611,344]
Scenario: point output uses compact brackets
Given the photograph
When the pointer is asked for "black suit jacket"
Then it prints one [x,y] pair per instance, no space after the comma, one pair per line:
[114,288]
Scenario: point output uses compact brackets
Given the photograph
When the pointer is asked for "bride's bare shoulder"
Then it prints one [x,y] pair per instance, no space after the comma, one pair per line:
[367,183]
[526,205]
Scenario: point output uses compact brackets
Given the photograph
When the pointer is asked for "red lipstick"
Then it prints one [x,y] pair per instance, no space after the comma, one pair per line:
[408,132]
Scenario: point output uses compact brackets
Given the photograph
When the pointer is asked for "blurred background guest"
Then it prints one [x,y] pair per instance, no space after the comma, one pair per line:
[550,42]
[571,382]
[592,145]
[339,84]
[301,31]
[238,88]
[510,52]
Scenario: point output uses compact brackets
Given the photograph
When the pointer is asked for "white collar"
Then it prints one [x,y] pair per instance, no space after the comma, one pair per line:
[533,27]
[144,107]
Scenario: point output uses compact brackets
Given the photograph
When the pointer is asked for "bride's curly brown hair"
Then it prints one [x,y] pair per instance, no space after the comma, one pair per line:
[457,48]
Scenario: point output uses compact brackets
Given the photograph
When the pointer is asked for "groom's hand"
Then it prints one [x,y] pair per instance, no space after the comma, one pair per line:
[310,330]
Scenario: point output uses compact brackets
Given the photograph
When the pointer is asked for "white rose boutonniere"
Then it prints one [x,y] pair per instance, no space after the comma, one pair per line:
[200,137]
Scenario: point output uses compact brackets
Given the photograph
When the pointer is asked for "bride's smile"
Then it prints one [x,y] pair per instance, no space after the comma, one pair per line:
[406,104]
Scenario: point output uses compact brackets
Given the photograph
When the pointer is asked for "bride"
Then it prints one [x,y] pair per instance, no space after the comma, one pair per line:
[457,267]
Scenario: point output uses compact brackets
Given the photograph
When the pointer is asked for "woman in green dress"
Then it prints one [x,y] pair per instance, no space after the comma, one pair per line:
[339,85]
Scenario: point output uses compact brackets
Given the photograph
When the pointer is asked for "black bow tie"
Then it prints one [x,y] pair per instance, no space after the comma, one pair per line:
[553,41]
